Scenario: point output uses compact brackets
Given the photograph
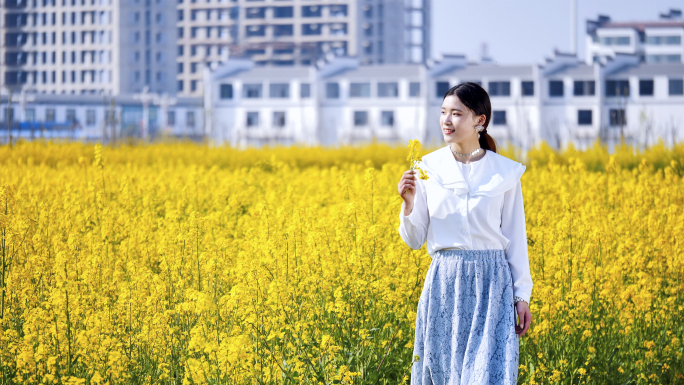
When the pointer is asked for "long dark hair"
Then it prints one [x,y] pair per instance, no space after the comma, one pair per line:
[473,96]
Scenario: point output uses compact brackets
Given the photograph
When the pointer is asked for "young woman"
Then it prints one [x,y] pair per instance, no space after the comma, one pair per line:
[470,212]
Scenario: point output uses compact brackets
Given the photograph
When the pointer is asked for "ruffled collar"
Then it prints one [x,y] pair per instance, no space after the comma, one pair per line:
[494,174]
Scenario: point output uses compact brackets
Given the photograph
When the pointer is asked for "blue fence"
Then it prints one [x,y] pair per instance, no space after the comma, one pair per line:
[41,129]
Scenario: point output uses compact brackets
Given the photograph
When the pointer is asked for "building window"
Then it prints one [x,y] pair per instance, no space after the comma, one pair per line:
[367,47]
[387,118]
[279,118]
[556,88]
[283,12]
[414,89]
[368,11]
[359,90]
[71,115]
[180,85]
[283,30]
[617,88]
[252,119]
[338,11]
[332,90]
[311,29]
[360,118]
[500,88]
[180,50]
[283,51]
[12,117]
[646,87]
[258,51]
[442,88]
[664,40]
[584,117]
[676,86]
[339,29]
[90,118]
[617,117]
[584,88]
[180,68]
[30,115]
[226,91]
[499,118]
[305,90]
[256,30]
[255,13]
[312,11]
[527,88]
[279,90]
[664,58]
[171,118]
[193,85]
[368,29]
[190,118]
[50,115]
[388,90]
[251,91]
[615,40]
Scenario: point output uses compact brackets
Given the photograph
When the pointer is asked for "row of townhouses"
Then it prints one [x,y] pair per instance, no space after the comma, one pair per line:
[344,102]
[560,101]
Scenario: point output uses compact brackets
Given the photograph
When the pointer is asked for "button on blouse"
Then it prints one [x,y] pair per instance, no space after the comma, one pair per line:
[474,206]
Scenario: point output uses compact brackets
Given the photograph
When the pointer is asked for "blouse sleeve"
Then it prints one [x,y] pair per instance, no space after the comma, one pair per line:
[513,228]
[413,227]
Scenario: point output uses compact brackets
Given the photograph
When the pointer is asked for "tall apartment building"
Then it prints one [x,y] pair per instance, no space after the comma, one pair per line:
[270,32]
[654,41]
[394,31]
[87,46]
[297,32]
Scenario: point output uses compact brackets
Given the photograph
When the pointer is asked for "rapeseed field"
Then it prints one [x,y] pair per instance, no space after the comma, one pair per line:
[187,264]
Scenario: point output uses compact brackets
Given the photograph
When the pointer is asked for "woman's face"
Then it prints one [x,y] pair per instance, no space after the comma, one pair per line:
[458,121]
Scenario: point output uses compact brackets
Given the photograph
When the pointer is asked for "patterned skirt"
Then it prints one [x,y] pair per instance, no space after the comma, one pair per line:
[465,323]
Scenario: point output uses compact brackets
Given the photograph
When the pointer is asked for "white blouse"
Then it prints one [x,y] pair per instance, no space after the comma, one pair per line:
[472,206]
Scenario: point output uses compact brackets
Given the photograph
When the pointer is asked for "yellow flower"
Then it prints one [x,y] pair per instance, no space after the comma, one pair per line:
[414,157]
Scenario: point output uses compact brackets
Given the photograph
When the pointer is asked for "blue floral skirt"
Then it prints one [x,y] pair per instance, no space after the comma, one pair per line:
[465,323]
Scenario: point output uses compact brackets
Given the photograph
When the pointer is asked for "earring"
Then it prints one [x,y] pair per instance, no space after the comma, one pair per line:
[479,129]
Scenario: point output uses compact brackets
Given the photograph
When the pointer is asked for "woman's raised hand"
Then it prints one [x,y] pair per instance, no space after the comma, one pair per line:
[407,188]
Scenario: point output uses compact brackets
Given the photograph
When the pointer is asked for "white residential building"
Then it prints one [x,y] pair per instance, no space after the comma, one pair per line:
[341,103]
[560,101]
[659,41]
[93,47]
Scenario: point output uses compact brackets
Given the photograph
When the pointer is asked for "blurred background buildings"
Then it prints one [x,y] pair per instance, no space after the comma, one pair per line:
[256,72]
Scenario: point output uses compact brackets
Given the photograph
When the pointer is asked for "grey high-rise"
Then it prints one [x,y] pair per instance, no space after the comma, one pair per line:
[88,46]
[394,31]
[270,32]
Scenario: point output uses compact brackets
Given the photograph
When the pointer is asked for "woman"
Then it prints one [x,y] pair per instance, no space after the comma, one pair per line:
[470,212]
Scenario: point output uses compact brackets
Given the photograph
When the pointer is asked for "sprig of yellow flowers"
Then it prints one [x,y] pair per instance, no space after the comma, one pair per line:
[414,158]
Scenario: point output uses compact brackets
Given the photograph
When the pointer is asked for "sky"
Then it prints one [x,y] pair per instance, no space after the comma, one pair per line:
[526,31]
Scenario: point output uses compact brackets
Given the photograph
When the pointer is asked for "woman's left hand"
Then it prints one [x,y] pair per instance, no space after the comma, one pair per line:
[524,318]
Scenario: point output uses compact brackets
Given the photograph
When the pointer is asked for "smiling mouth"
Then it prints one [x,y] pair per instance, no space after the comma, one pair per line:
[448,131]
